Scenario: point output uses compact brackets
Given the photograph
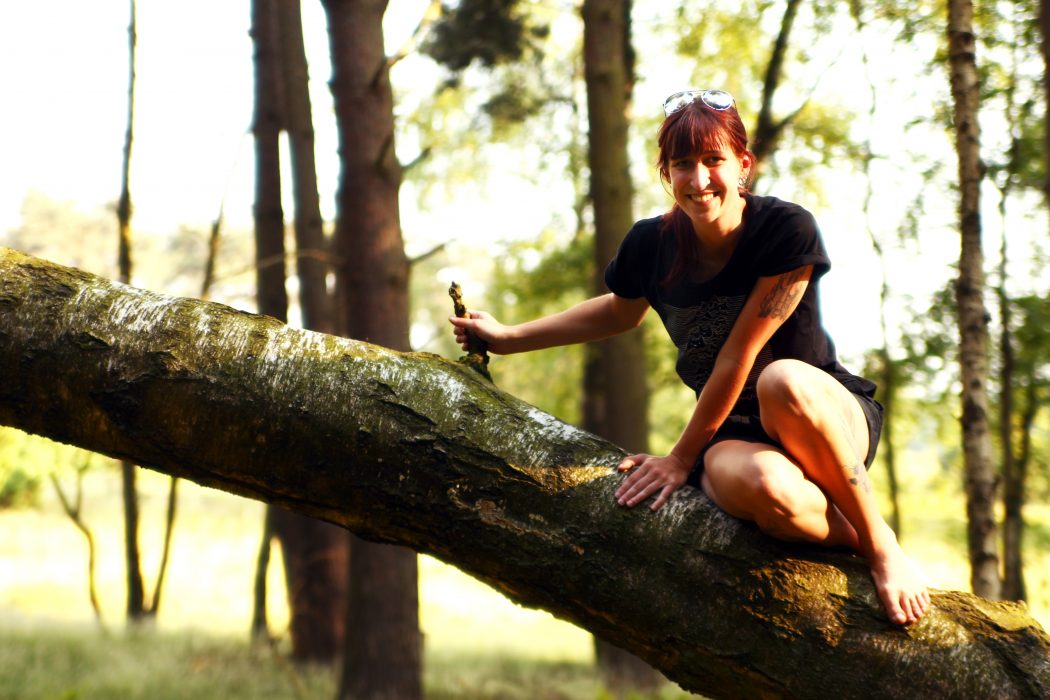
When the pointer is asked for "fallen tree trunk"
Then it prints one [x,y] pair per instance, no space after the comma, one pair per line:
[415,450]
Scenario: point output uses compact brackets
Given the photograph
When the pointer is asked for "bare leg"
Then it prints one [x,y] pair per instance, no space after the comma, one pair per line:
[822,426]
[758,482]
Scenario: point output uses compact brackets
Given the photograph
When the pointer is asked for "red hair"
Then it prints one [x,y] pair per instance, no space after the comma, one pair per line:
[693,129]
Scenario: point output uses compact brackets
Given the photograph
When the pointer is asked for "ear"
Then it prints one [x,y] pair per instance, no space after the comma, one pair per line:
[747,161]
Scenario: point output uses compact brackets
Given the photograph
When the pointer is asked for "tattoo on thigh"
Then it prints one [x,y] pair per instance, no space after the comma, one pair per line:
[858,476]
[781,298]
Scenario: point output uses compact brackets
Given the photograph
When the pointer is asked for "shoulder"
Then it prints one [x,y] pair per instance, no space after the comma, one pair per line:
[784,235]
[647,229]
[632,270]
[768,211]
[644,237]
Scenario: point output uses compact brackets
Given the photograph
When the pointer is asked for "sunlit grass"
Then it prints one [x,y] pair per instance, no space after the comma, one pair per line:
[478,645]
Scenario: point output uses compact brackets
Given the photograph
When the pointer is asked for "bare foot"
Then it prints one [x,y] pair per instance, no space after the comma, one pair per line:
[901,585]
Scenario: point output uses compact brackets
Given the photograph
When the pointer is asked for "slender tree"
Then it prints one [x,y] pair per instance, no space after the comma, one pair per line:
[383,657]
[768,128]
[1044,31]
[888,369]
[980,477]
[136,596]
[315,553]
[615,396]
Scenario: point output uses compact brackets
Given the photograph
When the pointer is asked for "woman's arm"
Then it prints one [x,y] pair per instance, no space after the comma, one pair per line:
[770,303]
[594,319]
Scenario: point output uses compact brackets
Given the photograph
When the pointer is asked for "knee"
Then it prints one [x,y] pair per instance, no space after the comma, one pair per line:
[768,493]
[787,391]
[774,493]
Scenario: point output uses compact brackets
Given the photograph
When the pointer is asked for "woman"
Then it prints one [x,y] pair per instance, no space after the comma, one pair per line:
[781,434]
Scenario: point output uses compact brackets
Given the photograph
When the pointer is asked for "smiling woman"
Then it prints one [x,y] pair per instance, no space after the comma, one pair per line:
[781,434]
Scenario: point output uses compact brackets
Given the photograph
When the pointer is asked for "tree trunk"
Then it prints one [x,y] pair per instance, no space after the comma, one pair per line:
[136,596]
[1014,499]
[415,450]
[888,372]
[1044,32]
[271,295]
[315,552]
[980,478]
[383,643]
[767,131]
[270,291]
[616,396]
[312,260]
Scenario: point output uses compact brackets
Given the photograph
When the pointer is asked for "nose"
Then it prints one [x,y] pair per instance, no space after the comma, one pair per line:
[701,177]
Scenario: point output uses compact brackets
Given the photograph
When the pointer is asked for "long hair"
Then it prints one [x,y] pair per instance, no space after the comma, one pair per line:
[693,129]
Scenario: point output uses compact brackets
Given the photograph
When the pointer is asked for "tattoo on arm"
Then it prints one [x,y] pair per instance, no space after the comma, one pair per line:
[781,298]
[858,476]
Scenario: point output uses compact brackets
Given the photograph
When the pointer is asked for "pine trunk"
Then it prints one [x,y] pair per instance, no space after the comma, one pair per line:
[383,645]
[136,595]
[315,553]
[616,396]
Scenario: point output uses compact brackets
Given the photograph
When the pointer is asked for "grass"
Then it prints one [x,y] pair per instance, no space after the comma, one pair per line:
[478,645]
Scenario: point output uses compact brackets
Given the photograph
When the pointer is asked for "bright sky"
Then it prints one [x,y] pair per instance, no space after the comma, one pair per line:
[64,81]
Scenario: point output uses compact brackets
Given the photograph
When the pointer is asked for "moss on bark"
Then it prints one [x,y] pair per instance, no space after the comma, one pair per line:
[420,451]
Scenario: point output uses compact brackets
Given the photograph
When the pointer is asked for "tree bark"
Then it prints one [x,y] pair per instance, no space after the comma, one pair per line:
[1044,43]
[616,396]
[416,450]
[271,295]
[980,477]
[136,595]
[384,646]
[311,260]
[767,131]
[315,553]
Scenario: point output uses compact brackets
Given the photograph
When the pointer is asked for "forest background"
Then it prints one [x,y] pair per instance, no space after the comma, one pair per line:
[495,198]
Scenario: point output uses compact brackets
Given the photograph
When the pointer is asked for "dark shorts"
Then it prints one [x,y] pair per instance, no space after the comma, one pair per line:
[749,429]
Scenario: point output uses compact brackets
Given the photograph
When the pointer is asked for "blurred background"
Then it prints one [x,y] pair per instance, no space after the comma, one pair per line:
[228,153]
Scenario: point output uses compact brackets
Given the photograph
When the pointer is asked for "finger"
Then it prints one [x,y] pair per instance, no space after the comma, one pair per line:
[640,491]
[626,464]
[635,480]
[662,498]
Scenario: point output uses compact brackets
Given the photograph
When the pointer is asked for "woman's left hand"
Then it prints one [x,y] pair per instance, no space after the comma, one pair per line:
[651,474]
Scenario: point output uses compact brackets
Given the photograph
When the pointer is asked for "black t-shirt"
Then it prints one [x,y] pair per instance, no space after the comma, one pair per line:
[777,237]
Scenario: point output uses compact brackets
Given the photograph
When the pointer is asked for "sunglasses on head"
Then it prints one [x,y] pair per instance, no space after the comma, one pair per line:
[718,100]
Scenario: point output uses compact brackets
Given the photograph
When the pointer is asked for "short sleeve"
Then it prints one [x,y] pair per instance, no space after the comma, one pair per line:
[627,273]
[793,242]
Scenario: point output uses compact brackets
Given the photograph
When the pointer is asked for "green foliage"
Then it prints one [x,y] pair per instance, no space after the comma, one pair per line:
[491,32]
[533,279]
[22,469]
[19,487]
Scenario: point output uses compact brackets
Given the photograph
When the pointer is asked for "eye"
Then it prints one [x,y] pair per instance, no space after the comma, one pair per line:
[682,163]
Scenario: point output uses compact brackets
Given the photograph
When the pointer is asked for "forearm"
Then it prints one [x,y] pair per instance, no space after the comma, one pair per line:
[717,399]
[593,319]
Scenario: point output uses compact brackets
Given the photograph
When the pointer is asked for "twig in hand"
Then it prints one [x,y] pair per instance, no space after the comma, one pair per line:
[477,355]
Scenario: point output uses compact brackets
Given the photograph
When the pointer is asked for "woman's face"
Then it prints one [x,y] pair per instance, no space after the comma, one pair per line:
[706,186]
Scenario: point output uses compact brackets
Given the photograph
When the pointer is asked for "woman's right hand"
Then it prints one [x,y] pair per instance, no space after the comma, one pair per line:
[484,327]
